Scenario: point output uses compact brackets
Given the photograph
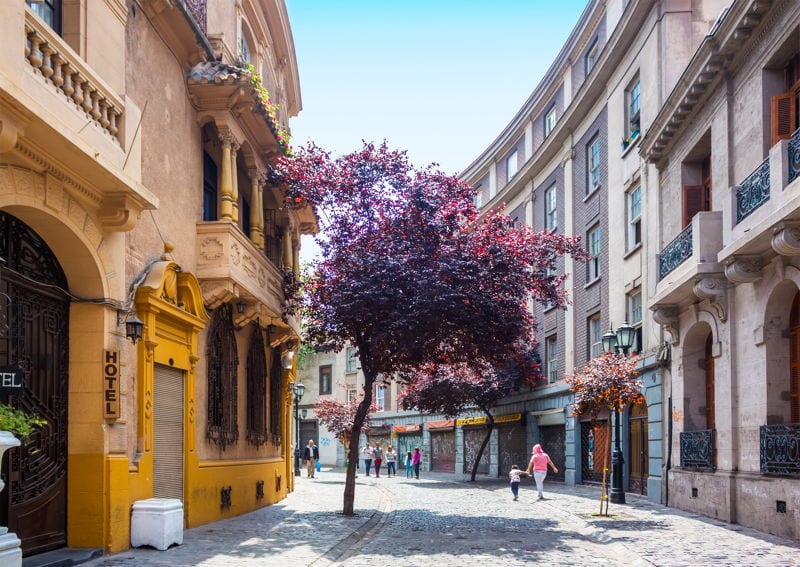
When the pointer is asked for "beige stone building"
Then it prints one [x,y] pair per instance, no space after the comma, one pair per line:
[724,207]
[134,145]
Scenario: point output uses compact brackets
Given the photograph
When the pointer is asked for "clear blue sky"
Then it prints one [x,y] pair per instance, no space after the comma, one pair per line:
[440,78]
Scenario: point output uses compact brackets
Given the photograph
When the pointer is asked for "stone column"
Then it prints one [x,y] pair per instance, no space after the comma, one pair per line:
[234,184]
[226,181]
[287,250]
[256,210]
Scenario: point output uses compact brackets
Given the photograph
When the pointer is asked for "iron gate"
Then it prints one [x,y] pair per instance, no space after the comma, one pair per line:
[35,337]
[553,441]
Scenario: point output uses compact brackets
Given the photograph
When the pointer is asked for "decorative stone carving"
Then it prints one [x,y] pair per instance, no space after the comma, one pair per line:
[744,269]
[715,290]
[786,240]
[667,316]
[211,249]
[216,292]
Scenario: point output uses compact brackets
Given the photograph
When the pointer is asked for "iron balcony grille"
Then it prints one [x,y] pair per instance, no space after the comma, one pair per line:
[752,192]
[697,449]
[675,253]
[794,156]
[780,449]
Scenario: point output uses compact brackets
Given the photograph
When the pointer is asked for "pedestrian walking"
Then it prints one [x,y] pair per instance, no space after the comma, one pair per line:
[311,456]
[409,470]
[416,458]
[367,453]
[514,475]
[377,455]
[539,463]
[391,461]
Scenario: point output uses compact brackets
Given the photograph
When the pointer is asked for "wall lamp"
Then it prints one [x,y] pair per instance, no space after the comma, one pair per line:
[134,327]
[287,360]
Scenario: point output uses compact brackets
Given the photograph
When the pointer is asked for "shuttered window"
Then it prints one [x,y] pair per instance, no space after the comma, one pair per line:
[784,108]
[794,360]
[167,433]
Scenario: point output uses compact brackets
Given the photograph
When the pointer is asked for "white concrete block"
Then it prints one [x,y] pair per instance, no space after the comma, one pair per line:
[157,522]
[10,552]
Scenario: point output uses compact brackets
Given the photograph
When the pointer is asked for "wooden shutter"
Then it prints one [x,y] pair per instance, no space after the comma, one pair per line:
[694,201]
[784,109]
[167,433]
[710,415]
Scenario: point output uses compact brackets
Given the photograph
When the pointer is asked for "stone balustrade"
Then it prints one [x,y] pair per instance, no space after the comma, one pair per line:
[46,52]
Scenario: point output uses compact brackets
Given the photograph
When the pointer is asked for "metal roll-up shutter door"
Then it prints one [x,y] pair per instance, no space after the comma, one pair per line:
[168,433]
[513,446]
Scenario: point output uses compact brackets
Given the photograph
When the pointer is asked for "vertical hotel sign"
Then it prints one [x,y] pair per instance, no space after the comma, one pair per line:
[111,384]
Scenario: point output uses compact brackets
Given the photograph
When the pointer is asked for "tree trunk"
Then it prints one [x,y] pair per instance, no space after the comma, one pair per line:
[358,422]
[483,445]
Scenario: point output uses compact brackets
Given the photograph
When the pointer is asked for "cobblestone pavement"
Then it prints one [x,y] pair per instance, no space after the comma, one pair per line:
[437,522]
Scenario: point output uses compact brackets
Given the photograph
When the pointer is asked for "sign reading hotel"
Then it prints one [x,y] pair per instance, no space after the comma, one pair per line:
[111,384]
[10,380]
[483,419]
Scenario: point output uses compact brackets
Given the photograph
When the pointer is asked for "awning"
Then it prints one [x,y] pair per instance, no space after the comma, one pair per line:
[440,425]
[407,429]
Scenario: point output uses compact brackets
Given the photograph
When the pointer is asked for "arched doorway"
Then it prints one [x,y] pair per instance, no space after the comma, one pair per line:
[34,310]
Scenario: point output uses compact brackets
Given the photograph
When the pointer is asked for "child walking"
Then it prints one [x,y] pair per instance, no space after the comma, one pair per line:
[513,476]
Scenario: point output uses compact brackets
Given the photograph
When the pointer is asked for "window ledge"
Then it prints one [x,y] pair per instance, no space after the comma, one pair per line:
[592,193]
[594,281]
[632,251]
[634,142]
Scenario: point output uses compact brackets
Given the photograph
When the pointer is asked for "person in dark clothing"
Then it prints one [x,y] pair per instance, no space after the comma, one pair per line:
[311,456]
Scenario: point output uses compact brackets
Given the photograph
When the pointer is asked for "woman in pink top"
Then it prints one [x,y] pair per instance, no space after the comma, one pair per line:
[416,458]
[539,462]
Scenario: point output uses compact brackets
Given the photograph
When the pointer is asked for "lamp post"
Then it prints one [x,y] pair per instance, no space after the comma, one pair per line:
[622,340]
[297,390]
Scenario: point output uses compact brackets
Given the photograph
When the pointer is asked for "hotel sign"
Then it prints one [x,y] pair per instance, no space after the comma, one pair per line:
[483,419]
[10,380]
[111,385]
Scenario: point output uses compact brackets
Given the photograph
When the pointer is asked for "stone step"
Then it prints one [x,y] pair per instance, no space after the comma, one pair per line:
[64,557]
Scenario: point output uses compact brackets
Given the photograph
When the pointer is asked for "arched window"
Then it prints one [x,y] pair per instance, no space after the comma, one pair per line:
[794,360]
[223,361]
[49,11]
[257,389]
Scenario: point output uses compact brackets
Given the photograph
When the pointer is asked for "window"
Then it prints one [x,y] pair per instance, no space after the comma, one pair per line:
[478,196]
[244,46]
[518,216]
[593,266]
[785,107]
[550,210]
[352,360]
[551,352]
[511,165]
[593,164]
[634,217]
[209,188]
[325,379]
[49,11]
[595,336]
[632,111]
[697,198]
[352,394]
[635,317]
[257,389]
[222,361]
[549,121]
[592,56]
[380,397]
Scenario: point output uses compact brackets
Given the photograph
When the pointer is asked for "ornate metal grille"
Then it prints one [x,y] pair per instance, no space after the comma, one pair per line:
[794,156]
[595,438]
[780,449]
[752,192]
[697,449]
[275,402]
[197,8]
[675,253]
[223,362]
[257,389]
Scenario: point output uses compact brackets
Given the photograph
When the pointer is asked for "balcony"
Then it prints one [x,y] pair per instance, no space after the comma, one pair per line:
[780,449]
[231,268]
[687,266]
[697,449]
[765,214]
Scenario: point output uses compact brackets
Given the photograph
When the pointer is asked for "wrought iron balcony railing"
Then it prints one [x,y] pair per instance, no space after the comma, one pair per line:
[697,449]
[676,252]
[794,156]
[780,449]
[752,192]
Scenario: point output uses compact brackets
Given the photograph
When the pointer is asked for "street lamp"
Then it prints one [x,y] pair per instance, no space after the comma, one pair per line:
[622,340]
[297,389]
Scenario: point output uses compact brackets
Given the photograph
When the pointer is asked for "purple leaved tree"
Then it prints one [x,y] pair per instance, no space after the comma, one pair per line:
[410,273]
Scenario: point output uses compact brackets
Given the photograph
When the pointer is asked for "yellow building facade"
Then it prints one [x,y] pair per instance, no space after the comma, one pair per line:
[135,140]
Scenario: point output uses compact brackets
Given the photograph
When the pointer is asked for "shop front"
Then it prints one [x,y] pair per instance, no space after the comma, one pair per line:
[443,445]
[406,438]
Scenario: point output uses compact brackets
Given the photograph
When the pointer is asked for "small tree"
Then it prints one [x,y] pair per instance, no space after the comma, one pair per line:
[610,382]
[339,418]
[451,389]
[410,273]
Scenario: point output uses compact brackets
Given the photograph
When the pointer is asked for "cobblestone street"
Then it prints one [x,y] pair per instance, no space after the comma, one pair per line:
[436,522]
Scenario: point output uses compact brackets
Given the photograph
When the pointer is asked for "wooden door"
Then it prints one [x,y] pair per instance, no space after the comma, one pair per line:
[34,336]
[638,457]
